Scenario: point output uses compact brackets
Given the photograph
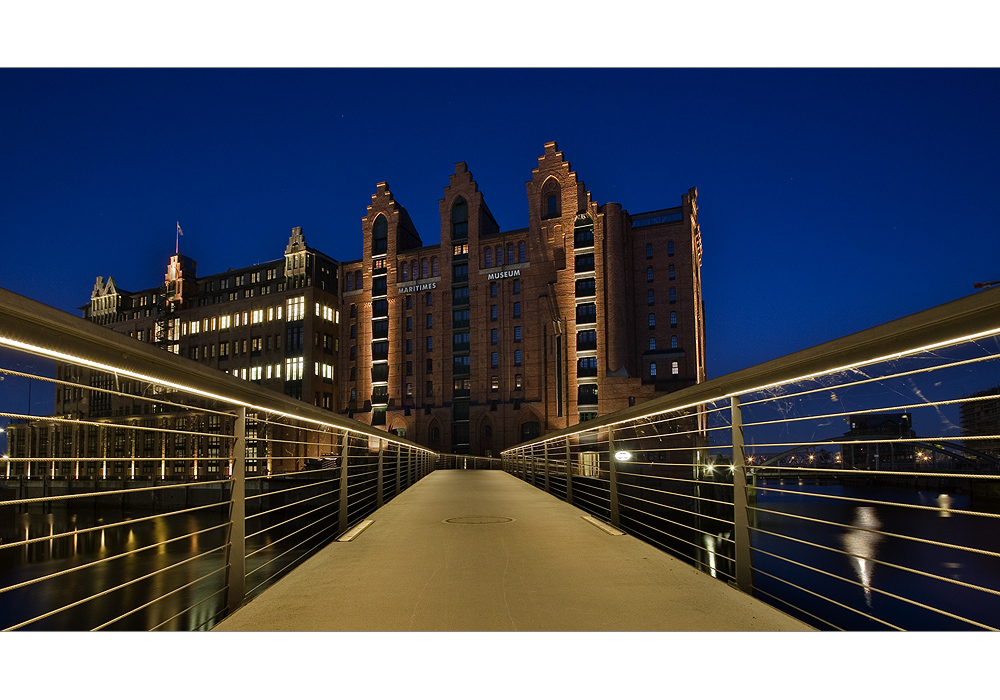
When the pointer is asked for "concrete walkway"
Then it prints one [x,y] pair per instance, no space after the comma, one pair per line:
[547,569]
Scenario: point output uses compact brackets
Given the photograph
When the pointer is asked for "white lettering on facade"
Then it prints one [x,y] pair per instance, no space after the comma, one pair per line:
[505,273]
[417,288]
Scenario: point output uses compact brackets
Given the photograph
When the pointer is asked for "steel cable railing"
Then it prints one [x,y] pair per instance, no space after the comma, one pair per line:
[855,485]
[150,481]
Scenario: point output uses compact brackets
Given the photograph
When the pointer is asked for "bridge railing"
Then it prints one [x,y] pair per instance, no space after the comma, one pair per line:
[856,485]
[141,490]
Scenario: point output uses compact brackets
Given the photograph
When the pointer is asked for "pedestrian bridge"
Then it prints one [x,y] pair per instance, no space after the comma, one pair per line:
[476,550]
[853,485]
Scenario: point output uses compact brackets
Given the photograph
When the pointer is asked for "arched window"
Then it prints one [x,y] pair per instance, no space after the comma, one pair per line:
[423,268]
[550,199]
[380,235]
[348,283]
[487,432]
[652,369]
[673,319]
[522,252]
[413,270]
[357,279]
[673,295]
[673,341]
[406,269]
[510,253]
[489,258]
[499,256]
[434,267]
[460,219]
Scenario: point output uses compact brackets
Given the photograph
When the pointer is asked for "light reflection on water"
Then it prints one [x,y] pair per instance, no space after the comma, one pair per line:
[863,545]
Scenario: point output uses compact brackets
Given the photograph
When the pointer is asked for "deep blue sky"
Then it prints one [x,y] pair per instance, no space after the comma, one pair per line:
[831,200]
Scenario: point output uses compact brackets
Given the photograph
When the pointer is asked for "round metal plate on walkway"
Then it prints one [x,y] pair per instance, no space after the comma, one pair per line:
[478,520]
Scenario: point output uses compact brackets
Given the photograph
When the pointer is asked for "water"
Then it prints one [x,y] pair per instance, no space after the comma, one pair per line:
[173,572]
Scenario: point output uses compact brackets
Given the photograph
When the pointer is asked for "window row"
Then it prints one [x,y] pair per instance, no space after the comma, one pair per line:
[494,257]
[244,318]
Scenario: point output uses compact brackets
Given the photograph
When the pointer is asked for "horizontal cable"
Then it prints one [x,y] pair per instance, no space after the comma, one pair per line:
[325,494]
[869,380]
[94,494]
[866,411]
[165,595]
[899,567]
[819,470]
[679,510]
[894,535]
[113,426]
[108,526]
[96,562]
[290,489]
[282,524]
[290,565]
[691,543]
[699,499]
[821,597]
[911,506]
[878,590]
[282,539]
[109,590]
[193,606]
[112,392]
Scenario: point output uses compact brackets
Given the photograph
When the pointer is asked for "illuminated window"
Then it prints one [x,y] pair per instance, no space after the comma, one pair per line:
[675,368]
[652,369]
[517,382]
[495,383]
[652,343]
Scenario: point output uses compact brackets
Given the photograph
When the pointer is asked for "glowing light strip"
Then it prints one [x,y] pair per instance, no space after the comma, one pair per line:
[741,392]
[56,355]
[869,380]
[911,406]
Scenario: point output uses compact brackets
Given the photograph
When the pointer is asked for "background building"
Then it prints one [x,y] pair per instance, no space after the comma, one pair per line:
[471,345]
[492,337]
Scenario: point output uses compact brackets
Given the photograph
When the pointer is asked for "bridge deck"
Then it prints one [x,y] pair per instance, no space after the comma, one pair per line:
[547,569]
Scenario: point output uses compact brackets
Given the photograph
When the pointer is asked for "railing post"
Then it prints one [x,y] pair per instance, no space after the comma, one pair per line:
[399,463]
[378,489]
[612,477]
[545,460]
[343,483]
[569,474]
[530,463]
[744,573]
[236,572]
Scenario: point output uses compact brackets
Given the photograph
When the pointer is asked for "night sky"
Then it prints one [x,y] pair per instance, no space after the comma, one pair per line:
[830,200]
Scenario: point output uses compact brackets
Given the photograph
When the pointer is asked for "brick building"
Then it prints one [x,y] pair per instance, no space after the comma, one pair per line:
[473,344]
[492,337]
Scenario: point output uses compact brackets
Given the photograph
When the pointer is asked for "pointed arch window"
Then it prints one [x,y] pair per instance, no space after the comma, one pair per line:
[380,235]
[550,199]
[460,220]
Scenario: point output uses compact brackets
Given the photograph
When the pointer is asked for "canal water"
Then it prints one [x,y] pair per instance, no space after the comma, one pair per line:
[178,579]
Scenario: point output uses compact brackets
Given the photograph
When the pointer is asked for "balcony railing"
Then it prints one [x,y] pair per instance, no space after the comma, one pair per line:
[190,496]
[855,485]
